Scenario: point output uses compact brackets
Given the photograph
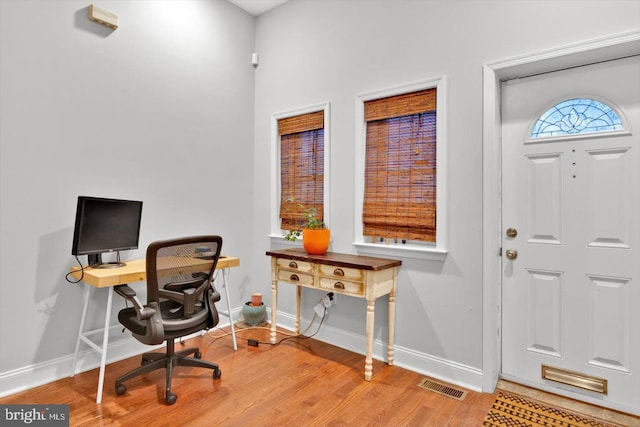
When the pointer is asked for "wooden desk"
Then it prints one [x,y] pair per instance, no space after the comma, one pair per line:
[353,275]
[133,271]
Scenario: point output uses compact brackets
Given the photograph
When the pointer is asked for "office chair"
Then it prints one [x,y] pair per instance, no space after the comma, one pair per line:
[180,301]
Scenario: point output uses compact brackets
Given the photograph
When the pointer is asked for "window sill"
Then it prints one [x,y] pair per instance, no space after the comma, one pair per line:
[405,251]
[279,240]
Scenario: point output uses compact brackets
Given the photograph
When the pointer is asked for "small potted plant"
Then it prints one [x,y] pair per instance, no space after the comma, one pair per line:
[315,234]
[254,311]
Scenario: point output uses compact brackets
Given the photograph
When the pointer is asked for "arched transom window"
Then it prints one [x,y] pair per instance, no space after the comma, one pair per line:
[576,116]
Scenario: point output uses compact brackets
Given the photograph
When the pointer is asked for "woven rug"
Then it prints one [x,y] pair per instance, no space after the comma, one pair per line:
[514,411]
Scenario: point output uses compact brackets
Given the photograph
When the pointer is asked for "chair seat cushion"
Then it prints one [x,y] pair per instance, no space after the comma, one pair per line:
[173,320]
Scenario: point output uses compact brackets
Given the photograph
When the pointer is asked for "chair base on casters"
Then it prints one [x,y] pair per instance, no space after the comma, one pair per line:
[170,359]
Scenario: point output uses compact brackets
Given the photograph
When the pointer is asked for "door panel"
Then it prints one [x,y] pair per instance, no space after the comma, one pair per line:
[608,221]
[544,191]
[544,296]
[570,296]
[609,347]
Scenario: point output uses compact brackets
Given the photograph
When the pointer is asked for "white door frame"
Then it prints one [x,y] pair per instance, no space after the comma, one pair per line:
[582,53]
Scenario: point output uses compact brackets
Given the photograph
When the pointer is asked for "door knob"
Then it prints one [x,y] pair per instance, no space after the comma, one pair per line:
[512,232]
[511,254]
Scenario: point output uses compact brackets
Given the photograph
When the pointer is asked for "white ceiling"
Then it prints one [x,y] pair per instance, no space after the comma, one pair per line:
[256,7]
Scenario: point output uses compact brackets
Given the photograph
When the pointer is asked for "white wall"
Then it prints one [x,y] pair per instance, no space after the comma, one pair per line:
[162,110]
[333,50]
[159,110]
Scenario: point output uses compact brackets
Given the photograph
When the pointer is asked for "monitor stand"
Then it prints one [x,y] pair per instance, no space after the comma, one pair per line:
[95,261]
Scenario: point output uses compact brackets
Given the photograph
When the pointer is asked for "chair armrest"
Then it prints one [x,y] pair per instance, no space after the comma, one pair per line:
[124,291]
[214,296]
[129,294]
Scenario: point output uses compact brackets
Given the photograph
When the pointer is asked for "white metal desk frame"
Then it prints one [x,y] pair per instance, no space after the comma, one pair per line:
[84,336]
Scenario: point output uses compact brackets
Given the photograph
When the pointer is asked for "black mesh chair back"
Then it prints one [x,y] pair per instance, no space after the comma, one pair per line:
[180,301]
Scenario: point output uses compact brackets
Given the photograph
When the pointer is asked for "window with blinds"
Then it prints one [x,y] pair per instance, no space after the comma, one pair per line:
[301,167]
[400,167]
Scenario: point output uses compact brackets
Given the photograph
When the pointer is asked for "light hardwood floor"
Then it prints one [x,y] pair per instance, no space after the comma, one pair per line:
[297,383]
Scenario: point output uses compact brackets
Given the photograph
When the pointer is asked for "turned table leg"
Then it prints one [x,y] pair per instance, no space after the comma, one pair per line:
[368,361]
[391,325]
[298,307]
[274,300]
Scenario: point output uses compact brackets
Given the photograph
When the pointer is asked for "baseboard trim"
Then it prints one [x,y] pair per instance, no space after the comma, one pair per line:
[31,376]
[435,367]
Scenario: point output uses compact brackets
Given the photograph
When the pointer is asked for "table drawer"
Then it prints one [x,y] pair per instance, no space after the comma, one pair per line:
[342,286]
[342,272]
[295,277]
[303,266]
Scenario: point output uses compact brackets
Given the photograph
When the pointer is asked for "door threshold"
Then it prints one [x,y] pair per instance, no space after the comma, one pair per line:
[576,406]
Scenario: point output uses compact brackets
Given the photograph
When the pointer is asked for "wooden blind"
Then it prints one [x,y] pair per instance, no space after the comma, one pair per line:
[301,167]
[400,167]
[400,105]
[301,123]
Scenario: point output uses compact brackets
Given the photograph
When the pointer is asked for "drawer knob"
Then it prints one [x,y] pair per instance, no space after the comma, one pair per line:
[293,264]
[338,285]
[338,272]
[294,277]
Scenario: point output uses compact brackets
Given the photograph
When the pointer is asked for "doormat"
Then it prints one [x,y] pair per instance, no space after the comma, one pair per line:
[514,411]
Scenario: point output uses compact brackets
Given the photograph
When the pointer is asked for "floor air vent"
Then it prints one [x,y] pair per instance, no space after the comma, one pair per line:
[441,388]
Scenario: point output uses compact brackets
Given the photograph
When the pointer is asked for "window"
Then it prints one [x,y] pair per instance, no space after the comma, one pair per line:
[301,166]
[402,156]
[576,116]
[299,160]
[400,167]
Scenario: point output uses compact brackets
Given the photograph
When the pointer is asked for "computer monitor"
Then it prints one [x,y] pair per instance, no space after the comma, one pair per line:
[105,225]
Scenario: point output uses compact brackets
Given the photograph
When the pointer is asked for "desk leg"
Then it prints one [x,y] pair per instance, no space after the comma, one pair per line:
[368,361]
[225,276]
[87,293]
[105,342]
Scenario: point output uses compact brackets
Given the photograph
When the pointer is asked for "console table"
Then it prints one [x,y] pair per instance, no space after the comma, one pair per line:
[133,271]
[353,275]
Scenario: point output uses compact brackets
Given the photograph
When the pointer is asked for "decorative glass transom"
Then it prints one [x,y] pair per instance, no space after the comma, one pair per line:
[576,116]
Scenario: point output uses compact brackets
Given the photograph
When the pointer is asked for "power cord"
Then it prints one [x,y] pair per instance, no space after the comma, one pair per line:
[255,342]
[68,275]
[301,335]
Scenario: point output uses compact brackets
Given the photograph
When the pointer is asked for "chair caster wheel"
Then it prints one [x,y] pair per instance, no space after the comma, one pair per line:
[120,389]
[170,398]
[217,373]
[197,355]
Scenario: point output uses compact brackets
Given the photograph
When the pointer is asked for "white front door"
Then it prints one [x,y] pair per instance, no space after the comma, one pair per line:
[571,272]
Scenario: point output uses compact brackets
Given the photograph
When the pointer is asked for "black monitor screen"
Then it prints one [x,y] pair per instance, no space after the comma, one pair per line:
[106,225]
